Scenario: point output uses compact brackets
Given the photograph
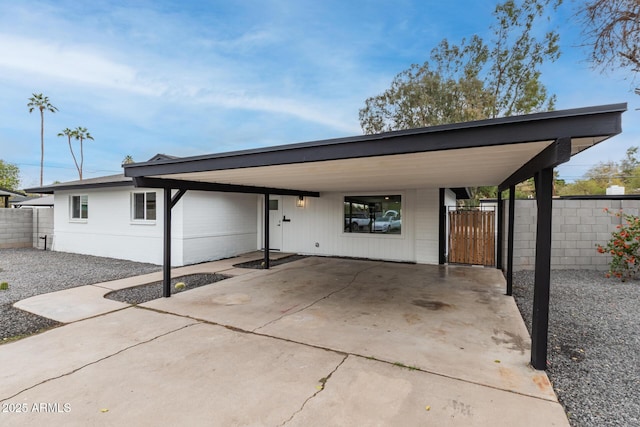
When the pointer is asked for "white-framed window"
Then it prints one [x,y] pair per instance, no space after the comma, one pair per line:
[79,207]
[373,214]
[143,206]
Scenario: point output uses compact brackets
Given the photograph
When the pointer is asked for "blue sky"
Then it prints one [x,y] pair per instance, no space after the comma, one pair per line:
[196,77]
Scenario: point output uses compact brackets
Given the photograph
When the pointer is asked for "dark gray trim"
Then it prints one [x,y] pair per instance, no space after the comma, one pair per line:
[510,237]
[442,232]
[266,231]
[555,154]
[166,263]
[176,198]
[78,186]
[178,184]
[500,233]
[583,122]
[541,287]
[462,193]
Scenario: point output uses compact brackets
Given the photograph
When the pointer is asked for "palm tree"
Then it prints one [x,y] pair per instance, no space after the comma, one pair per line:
[41,103]
[128,160]
[71,134]
[81,134]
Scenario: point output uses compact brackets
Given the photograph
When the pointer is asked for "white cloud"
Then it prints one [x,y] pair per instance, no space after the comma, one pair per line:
[72,64]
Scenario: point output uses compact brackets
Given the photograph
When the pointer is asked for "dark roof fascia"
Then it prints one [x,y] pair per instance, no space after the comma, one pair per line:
[461,193]
[51,189]
[555,154]
[583,122]
[177,184]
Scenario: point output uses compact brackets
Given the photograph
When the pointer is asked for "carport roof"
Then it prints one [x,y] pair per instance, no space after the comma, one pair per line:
[485,152]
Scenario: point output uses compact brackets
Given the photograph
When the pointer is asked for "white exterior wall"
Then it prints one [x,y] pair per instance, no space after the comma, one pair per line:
[109,230]
[427,225]
[205,226]
[321,221]
[218,225]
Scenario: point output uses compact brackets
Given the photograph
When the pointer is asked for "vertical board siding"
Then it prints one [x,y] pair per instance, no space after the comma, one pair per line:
[472,237]
[318,229]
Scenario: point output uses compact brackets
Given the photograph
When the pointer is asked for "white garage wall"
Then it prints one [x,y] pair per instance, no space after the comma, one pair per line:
[206,226]
[109,230]
[217,225]
[321,222]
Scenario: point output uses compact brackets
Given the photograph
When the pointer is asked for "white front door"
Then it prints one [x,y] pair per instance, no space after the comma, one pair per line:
[275,223]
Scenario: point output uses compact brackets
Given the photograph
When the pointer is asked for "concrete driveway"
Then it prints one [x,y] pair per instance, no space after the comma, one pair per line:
[319,341]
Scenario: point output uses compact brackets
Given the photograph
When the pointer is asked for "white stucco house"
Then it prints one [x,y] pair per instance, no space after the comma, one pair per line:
[306,197]
[381,196]
[109,216]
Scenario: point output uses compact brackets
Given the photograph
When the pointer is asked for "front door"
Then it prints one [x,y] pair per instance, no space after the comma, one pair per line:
[275,223]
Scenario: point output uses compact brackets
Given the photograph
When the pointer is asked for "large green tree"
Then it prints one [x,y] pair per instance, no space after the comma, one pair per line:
[41,103]
[612,33]
[473,79]
[9,176]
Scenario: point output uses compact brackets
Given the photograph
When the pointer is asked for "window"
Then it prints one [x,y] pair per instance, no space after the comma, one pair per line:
[143,206]
[373,214]
[79,207]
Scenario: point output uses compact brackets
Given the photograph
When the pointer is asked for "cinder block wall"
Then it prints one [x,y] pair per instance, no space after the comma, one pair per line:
[577,225]
[16,228]
[42,226]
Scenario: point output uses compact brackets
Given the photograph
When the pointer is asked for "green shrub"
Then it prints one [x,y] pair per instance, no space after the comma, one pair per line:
[623,247]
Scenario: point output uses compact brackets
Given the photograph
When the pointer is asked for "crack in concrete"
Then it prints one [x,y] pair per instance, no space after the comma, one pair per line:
[348,353]
[97,361]
[324,384]
[355,277]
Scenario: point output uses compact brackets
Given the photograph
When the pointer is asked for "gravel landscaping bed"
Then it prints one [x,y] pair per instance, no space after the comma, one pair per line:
[32,272]
[151,291]
[594,344]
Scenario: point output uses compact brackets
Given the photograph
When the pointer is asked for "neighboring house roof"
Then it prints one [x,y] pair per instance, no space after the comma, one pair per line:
[9,193]
[161,156]
[34,201]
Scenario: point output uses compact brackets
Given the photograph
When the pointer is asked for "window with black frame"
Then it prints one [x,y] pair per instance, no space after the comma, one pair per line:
[373,214]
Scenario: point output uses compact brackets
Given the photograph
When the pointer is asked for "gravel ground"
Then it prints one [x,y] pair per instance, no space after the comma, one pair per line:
[151,291]
[594,344]
[32,272]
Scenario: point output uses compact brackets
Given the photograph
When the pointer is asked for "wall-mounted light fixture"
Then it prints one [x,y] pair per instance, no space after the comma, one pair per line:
[300,202]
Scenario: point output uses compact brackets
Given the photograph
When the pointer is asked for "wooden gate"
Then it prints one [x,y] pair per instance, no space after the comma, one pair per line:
[472,237]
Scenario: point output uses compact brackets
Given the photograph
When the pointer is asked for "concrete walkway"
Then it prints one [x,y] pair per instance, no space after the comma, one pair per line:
[314,342]
[71,305]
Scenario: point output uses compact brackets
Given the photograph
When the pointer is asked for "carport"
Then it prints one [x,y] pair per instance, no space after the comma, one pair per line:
[496,152]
